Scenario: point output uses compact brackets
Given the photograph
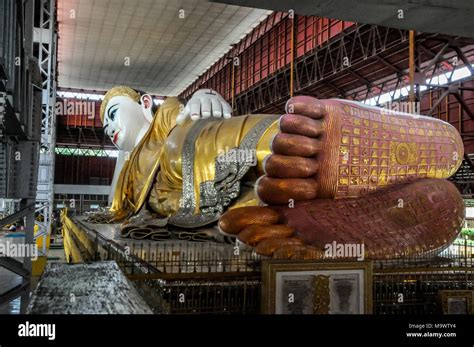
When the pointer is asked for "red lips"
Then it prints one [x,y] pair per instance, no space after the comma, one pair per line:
[116,137]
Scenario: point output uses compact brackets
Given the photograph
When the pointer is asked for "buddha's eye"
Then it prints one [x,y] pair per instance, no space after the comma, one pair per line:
[111,113]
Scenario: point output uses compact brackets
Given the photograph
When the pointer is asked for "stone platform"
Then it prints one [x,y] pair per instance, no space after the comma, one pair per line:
[94,288]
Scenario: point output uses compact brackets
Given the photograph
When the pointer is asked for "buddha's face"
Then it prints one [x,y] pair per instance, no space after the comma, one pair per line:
[123,120]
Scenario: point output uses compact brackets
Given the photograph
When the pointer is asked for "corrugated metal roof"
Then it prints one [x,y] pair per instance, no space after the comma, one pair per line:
[145,43]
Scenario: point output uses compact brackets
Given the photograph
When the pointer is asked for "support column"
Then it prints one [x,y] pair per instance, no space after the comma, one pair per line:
[411,67]
[46,39]
[292,56]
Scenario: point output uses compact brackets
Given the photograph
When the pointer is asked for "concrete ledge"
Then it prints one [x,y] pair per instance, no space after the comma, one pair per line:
[95,288]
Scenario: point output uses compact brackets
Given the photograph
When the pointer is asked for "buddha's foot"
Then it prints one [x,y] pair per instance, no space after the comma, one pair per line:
[341,149]
[400,220]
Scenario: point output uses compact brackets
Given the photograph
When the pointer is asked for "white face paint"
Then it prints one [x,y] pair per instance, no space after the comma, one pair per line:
[124,121]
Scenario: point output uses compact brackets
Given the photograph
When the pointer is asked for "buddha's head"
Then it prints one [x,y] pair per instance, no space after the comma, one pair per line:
[124,113]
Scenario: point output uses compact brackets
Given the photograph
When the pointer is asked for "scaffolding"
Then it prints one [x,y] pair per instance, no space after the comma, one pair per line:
[27,98]
[46,39]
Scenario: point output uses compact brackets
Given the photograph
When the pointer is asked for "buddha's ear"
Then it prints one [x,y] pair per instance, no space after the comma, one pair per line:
[147,105]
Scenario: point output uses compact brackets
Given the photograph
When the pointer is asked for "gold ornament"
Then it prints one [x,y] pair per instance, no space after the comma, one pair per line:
[321,296]
[403,153]
[117,91]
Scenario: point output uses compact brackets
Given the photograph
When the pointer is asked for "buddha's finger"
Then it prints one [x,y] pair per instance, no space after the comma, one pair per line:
[205,107]
[195,108]
[216,108]
[226,110]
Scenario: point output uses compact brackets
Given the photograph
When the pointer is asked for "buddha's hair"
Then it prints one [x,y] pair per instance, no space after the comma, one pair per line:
[134,94]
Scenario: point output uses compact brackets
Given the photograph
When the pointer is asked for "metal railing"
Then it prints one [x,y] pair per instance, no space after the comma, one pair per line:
[417,292]
[186,277]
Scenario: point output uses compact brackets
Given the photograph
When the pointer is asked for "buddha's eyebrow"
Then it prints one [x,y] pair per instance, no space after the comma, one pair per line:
[110,109]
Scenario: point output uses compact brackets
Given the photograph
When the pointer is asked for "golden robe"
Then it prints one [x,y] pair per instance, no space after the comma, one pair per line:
[154,171]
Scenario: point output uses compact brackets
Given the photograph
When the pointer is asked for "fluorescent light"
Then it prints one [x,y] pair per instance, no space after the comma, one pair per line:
[78,95]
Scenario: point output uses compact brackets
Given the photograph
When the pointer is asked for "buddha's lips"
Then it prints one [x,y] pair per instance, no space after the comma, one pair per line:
[116,137]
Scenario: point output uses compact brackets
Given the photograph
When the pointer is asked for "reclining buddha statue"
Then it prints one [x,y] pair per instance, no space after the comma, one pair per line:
[325,171]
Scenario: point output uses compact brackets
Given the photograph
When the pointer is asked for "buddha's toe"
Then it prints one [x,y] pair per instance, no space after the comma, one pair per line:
[269,246]
[278,191]
[291,169]
[253,234]
[306,106]
[234,221]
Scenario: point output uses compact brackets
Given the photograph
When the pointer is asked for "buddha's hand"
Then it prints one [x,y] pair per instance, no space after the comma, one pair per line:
[203,104]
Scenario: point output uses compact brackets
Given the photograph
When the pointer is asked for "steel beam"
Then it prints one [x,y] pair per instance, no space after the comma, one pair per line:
[359,77]
[18,215]
[15,292]
[14,266]
[389,65]
[464,106]
[358,44]
[463,57]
